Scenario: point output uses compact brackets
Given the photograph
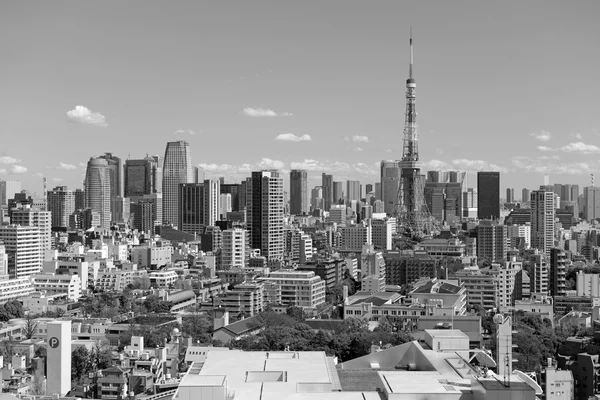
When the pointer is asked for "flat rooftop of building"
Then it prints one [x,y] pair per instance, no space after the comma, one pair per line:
[437,287]
[156,320]
[447,333]
[422,382]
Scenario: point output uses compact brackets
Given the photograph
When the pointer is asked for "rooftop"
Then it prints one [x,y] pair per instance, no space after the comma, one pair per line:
[437,287]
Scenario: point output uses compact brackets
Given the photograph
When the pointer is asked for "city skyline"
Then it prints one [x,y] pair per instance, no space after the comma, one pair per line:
[159,77]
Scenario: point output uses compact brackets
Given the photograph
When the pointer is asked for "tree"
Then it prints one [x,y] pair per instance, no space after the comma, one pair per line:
[30,327]
[296,312]
[80,364]
[101,355]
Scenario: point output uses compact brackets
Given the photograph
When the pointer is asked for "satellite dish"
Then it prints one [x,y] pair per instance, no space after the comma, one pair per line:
[485,360]
[527,379]
[498,319]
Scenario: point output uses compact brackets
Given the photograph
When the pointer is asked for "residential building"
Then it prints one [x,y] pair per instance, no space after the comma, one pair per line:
[381,232]
[177,169]
[51,284]
[298,192]
[403,268]
[245,298]
[542,220]
[113,383]
[265,214]
[146,212]
[163,278]
[558,272]
[354,237]
[12,289]
[541,276]
[488,199]
[61,204]
[443,295]
[519,233]
[440,247]
[492,241]
[98,189]
[27,216]
[152,256]
[298,288]
[234,253]
[23,248]
[330,270]
[481,288]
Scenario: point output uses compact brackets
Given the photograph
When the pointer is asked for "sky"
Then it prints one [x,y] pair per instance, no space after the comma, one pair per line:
[509,86]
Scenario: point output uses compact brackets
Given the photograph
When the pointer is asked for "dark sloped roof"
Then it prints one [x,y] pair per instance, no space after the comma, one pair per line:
[377,301]
[243,326]
[443,288]
[449,288]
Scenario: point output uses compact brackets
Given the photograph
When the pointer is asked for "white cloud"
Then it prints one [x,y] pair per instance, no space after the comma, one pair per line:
[290,137]
[263,112]
[435,165]
[184,132]
[548,165]
[357,139]
[439,151]
[580,147]
[542,136]
[83,115]
[18,169]
[8,160]
[545,148]
[336,167]
[576,135]
[358,149]
[66,167]
[477,165]
[245,168]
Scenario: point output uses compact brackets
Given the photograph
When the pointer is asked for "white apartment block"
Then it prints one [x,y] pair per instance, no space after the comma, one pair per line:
[298,288]
[23,246]
[306,248]
[116,280]
[27,216]
[69,285]
[151,256]
[588,285]
[234,253]
[506,274]
[543,208]
[12,289]
[162,279]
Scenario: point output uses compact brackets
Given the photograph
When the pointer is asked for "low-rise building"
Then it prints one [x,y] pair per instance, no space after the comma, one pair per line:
[298,288]
[12,289]
[69,285]
[163,278]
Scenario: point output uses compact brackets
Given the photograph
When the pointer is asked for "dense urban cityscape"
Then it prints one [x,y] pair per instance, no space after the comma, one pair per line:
[160,279]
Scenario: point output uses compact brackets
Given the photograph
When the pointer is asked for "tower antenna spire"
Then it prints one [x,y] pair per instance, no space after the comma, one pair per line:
[410,68]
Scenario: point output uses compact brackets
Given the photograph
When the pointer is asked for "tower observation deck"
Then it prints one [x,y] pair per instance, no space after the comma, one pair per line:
[411,210]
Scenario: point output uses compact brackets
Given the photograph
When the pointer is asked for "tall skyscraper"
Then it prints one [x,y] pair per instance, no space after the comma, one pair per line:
[369,188]
[8,190]
[338,193]
[79,199]
[191,208]
[389,186]
[199,175]
[265,213]
[591,196]
[543,208]
[115,171]
[225,204]
[316,198]
[352,191]
[488,195]
[327,187]
[146,212]
[574,192]
[234,190]
[469,203]
[61,203]
[143,176]
[558,272]
[525,195]
[212,201]
[298,192]
[177,169]
[510,195]
[444,195]
[97,189]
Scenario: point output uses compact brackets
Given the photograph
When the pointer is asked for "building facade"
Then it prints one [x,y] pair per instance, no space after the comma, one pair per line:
[298,192]
[177,169]
[98,189]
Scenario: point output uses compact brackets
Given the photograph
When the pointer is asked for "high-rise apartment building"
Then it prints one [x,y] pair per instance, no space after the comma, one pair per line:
[591,195]
[98,190]
[525,195]
[146,212]
[558,272]
[298,192]
[8,190]
[389,186]
[61,203]
[23,248]
[265,213]
[79,199]
[540,282]
[353,191]
[212,201]
[327,188]
[199,205]
[338,193]
[27,216]
[543,208]
[115,171]
[510,195]
[488,199]
[469,203]
[234,253]
[143,176]
[177,169]
[492,241]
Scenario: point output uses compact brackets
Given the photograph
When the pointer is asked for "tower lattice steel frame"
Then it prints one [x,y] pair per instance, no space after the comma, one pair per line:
[411,208]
